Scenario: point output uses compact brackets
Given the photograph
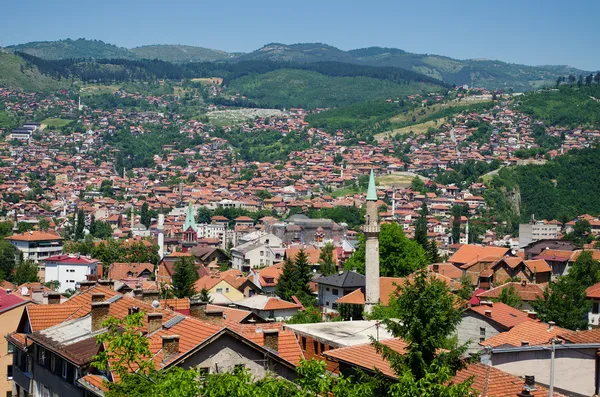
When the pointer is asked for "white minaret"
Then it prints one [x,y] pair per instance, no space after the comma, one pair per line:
[394,204]
[371,232]
[467,231]
[342,172]
[132,218]
[161,235]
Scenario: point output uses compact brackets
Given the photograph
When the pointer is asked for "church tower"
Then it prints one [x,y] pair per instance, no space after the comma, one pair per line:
[371,232]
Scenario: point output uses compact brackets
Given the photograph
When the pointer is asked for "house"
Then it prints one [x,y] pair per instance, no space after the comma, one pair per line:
[166,267]
[528,292]
[593,293]
[11,310]
[68,270]
[330,288]
[575,360]
[54,348]
[512,268]
[120,271]
[318,338]
[527,333]
[250,255]
[269,307]
[468,253]
[266,278]
[217,285]
[37,245]
[206,255]
[480,323]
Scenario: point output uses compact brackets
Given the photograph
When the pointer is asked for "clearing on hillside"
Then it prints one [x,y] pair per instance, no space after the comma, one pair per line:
[399,179]
[54,122]
[98,89]
[208,80]
[415,128]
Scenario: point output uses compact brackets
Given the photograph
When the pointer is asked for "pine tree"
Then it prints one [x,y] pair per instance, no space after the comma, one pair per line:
[302,277]
[145,215]
[184,278]
[432,251]
[203,296]
[285,284]
[326,260]
[80,225]
[421,228]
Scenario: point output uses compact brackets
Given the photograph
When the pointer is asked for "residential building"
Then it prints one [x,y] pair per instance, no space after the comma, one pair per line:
[68,270]
[11,310]
[269,307]
[538,230]
[250,255]
[37,245]
[333,287]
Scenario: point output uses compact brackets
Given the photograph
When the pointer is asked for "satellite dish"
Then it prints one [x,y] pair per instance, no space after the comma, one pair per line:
[155,304]
[513,252]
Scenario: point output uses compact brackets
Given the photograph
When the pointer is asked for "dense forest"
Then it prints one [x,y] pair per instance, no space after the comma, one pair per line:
[569,106]
[560,189]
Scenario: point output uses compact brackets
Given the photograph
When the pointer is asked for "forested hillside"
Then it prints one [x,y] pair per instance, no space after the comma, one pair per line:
[560,189]
[567,106]
[65,49]
[16,73]
[179,53]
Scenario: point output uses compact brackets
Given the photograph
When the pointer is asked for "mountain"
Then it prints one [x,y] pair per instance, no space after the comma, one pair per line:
[16,73]
[480,73]
[179,53]
[80,48]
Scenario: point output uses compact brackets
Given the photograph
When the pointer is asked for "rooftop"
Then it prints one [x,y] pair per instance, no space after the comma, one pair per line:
[343,333]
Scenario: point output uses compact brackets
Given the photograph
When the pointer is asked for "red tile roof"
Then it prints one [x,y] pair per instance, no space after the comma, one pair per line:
[528,292]
[532,332]
[502,314]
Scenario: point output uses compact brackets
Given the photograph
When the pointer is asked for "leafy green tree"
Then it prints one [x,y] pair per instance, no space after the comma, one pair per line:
[23,227]
[308,316]
[398,256]
[184,278]
[433,253]
[263,194]
[106,188]
[43,223]
[5,229]
[417,185]
[350,311]
[565,301]
[510,297]
[327,266]
[466,288]
[8,255]
[426,313]
[26,272]
[421,228]
[102,230]
[203,215]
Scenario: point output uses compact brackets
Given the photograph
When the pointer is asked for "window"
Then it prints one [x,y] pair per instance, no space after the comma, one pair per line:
[9,372]
[316,347]
[220,290]
[262,253]
[304,343]
[322,347]
[226,289]
[327,289]
[335,291]
[64,369]
[11,348]
[29,364]
[481,334]
[596,307]
[52,362]
[42,356]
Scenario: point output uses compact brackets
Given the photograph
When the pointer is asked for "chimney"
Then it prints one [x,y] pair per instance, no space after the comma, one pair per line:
[54,298]
[488,303]
[528,387]
[100,270]
[107,283]
[271,339]
[85,285]
[532,315]
[170,346]
[149,296]
[436,267]
[524,283]
[137,293]
[100,311]
[198,309]
[154,322]
[551,325]
[488,313]
[98,297]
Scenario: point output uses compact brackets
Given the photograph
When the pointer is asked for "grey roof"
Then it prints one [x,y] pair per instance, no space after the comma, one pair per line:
[347,279]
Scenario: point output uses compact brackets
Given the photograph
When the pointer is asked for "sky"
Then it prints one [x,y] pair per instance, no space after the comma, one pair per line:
[531,32]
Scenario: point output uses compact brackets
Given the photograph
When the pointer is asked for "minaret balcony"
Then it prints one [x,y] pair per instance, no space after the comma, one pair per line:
[371,229]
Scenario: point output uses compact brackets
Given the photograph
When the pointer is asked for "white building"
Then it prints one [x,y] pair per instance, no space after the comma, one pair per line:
[536,231]
[68,270]
[37,245]
[250,255]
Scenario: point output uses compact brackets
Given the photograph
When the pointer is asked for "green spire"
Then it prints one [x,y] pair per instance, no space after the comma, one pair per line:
[372,191]
[189,218]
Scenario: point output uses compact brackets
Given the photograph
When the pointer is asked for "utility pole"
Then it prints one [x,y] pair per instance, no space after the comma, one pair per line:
[551,388]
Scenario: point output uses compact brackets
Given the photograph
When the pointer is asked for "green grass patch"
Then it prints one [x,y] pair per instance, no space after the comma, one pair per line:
[98,89]
[55,122]
[420,128]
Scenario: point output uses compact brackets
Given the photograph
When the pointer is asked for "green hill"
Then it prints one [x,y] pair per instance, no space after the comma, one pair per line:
[80,48]
[16,73]
[310,89]
[298,53]
[179,53]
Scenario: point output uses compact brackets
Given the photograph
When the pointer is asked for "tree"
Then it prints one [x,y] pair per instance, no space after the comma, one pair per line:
[294,279]
[263,194]
[509,296]
[80,226]
[23,227]
[43,223]
[433,253]
[8,254]
[106,188]
[398,256]
[308,316]
[327,266]
[426,313]
[565,301]
[285,288]
[204,296]
[26,272]
[101,230]
[145,215]
[417,185]
[597,78]
[203,215]
[456,223]
[5,229]
[421,228]
[466,288]
[184,278]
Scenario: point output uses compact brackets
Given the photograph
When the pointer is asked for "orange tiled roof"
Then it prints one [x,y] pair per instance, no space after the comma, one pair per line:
[528,292]
[278,304]
[35,235]
[490,381]
[355,297]
[365,355]
[44,316]
[468,253]
[502,314]
[588,336]
[532,332]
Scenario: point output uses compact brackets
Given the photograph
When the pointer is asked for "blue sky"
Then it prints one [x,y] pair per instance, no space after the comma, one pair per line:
[525,31]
